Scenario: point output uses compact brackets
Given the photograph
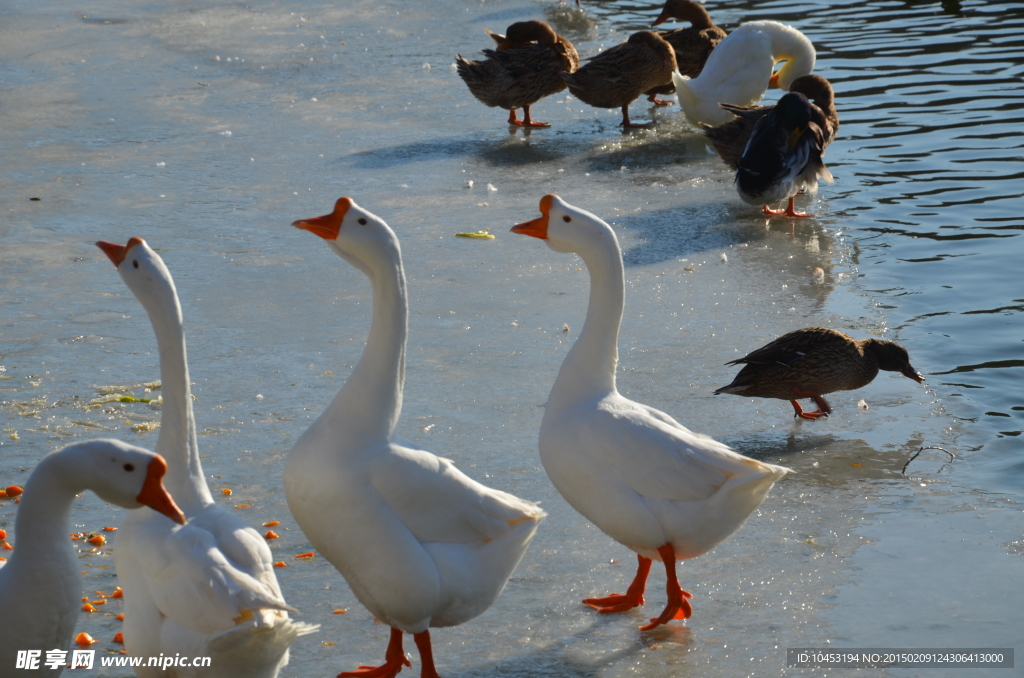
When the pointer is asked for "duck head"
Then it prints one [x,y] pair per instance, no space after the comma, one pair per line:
[893,358]
[563,227]
[522,33]
[815,88]
[359,237]
[685,10]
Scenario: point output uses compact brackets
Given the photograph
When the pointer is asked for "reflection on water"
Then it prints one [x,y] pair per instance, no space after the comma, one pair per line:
[226,122]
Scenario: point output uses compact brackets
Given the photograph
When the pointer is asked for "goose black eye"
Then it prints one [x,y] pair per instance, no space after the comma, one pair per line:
[135,263]
[362,221]
[567,218]
[129,467]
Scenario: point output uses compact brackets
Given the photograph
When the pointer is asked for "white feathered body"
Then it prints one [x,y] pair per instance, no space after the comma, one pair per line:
[739,68]
[420,543]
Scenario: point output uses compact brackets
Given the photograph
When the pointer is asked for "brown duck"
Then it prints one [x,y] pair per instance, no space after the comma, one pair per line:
[692,45]
[729,140]
[525,68]
[811,362]
[616,77]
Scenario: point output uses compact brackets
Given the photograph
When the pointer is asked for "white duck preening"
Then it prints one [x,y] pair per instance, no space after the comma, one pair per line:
[206,588]
[639,475]
[40,586]
[420,543]
[739,70]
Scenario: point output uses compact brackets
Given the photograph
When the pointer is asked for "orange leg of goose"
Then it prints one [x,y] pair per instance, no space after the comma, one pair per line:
[823,407]
[678,607]
[790,210]
[426,655]
[394,659]
[634,596]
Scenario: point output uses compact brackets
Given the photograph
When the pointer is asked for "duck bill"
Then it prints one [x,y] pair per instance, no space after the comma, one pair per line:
[662,18]
[329,225]
[117,253]
[155,495]
[538,228]
[911,373]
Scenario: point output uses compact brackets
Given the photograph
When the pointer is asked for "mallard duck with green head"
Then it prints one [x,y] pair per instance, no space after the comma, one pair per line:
[813,361]
[730,140]
[526,67]
[783,156]
[692,45]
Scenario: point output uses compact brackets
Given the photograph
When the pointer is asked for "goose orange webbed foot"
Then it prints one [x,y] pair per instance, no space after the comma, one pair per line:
[633,597]
[616,602]
[678,607]
[394,660]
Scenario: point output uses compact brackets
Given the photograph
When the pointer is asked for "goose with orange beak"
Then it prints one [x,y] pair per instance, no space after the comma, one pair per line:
[40,586]
[420,543]
[206,588]
[643,478]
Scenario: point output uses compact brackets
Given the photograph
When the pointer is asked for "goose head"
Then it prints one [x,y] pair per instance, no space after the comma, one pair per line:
[359,237]
[144,272]
[565,228]
[122,474]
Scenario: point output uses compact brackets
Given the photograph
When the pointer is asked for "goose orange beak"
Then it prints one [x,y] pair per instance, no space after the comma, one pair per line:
[155,495]
[117,253]
[774,81]
[329,225]
[538,228]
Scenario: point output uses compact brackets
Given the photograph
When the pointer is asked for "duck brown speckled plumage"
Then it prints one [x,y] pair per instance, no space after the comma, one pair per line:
[525,68]
[730,139]
[813,361]
[616,77]
[692,45]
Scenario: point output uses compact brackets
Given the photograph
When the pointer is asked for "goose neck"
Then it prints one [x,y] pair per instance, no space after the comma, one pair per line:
[44,515]
[370,402]
[177,441]
[589,368]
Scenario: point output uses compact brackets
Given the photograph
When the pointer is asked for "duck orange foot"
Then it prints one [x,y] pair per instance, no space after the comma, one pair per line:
[526,121]
[658,102]
[823,407]
[790,211]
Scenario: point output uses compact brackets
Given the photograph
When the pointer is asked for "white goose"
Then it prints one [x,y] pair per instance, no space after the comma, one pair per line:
[207,588]
[739,70]
[40,586]
[639,475]
[420,543]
